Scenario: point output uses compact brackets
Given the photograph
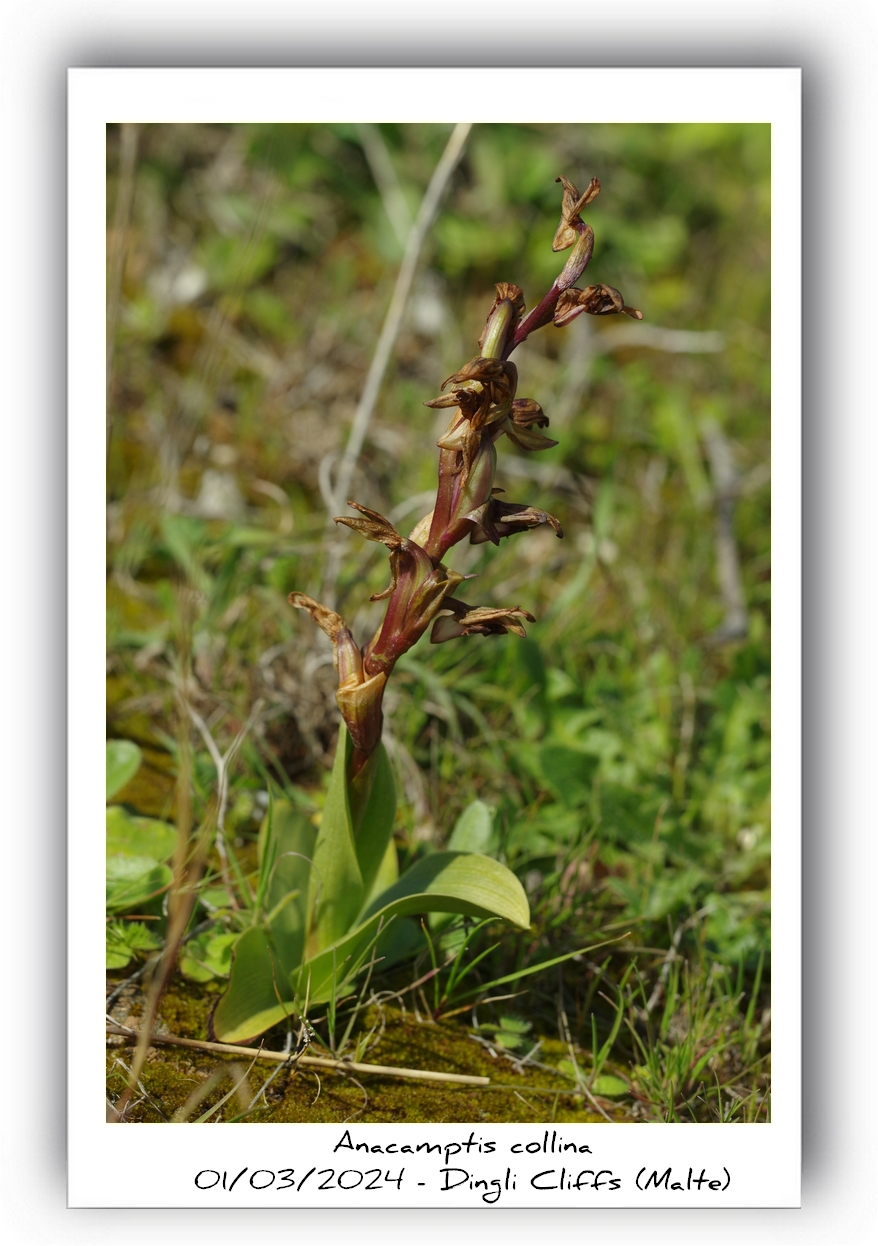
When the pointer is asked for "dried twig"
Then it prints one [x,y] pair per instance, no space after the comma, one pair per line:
[320,1062]
[189,857]
[583,1086]
[382,170]
[386,341]
[222,763]
[124,202]
[735,625]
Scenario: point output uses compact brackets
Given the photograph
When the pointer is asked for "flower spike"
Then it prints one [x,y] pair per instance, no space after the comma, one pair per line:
[482,404]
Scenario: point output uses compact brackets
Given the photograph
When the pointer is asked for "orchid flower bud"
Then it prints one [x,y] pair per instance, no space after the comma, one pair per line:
[459,619]
[359,698]
[572,204]
[361,710]
[497,519]
[502,321]
[596,300]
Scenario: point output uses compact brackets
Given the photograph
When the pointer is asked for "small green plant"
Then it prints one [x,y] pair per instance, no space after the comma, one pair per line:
[328,899]
[138,874]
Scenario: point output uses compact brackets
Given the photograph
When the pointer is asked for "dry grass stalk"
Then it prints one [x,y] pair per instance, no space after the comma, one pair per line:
[320,1062]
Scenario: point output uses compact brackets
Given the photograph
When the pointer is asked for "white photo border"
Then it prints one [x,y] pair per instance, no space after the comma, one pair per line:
[156,1166]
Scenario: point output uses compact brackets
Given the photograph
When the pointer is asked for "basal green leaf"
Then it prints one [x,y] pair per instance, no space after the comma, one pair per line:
[286,848]
[375,830]
[444,882]
[214,898]
[400,940]
[259,993]
[387,874]
[517,1025]
[123,763]
[455,882]
[118,955]
[336,890]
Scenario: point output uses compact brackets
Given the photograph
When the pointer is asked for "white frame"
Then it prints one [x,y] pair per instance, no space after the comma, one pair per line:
[154,1166]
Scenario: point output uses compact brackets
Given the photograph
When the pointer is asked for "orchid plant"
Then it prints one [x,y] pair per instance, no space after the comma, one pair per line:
[327,899]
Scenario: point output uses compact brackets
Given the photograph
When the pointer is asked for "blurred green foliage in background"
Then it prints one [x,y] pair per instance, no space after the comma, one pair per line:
[624,745]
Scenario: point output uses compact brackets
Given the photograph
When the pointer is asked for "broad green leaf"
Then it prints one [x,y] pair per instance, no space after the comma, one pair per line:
[457,882]
[508,1040]
[511,1033]
[259,995]
[286,847]
[401,939]
[444,882]
[138,837]
[132,880]
[473,830]
[336,889]
[387,874]
[123,763]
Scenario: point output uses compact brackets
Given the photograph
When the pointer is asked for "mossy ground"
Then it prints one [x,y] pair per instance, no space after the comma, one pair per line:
[516,1093]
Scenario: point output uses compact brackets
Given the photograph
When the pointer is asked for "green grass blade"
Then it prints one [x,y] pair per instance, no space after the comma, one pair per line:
[546,964]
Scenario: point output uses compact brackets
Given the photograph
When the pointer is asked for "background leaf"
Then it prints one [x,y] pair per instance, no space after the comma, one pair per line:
[125,940]
[132,880]
[208,956]
[123,763]
[474,829]
[611,1086]
[128,835]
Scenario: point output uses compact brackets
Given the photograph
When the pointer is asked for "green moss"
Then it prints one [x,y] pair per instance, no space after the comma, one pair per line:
[307,1094]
